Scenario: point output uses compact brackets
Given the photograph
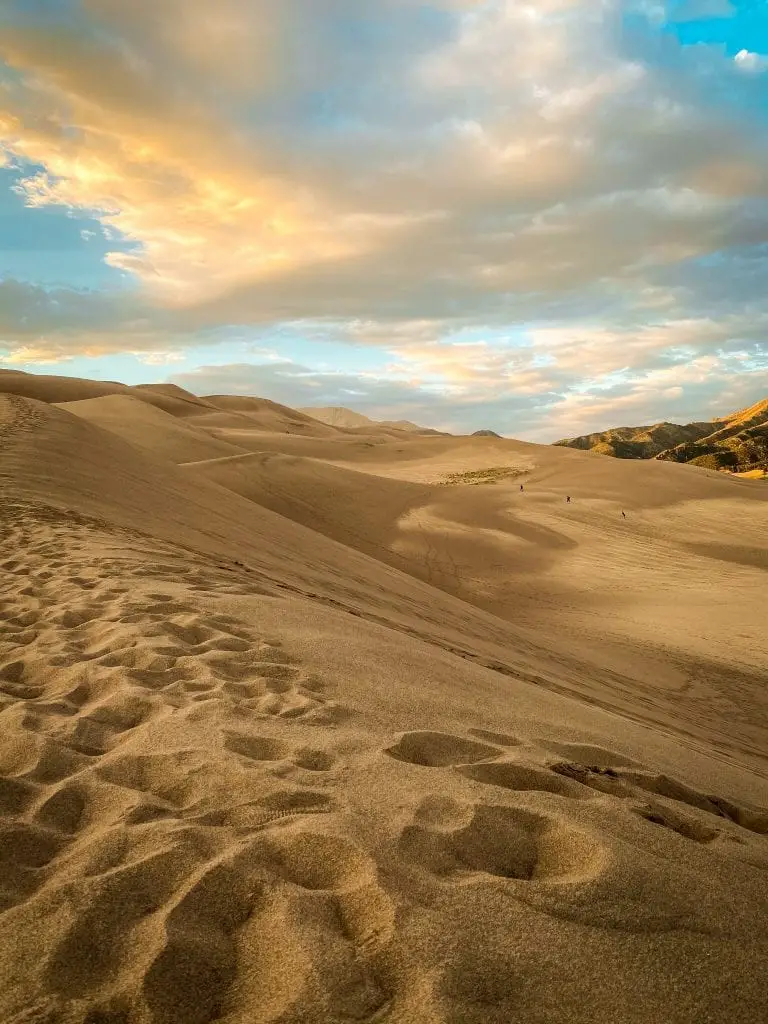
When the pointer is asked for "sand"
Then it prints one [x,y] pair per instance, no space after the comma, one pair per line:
[309,726]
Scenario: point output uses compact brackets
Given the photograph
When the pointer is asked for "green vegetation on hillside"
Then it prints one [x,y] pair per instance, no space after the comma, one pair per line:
[483,476]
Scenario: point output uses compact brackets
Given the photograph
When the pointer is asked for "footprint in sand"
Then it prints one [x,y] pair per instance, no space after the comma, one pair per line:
[683,826]
[12,682]
[347,920]
[162,885]
[64,810]
[256,748]
[190,923]
[25,849]
[751,818]
[314,760]
[585,753]
[507,842]
[267,748]
[118,917]
[276,807]
[15,795]
[475,761]
[52,762]
[630,783]
[440,750]
[191,974]
[522,778]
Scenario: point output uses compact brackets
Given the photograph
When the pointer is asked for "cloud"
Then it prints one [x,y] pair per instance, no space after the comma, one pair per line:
[28,311]
[35,355]
[60,323]
[159,358]
[389,174]
[748,61]
[133,117]
[381,396]
[699,10]
[597,351]
[528,396]
[683,398]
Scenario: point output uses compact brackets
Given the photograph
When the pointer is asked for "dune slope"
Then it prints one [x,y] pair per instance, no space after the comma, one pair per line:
[351,507]
[338,416]
[271,416]
[249,773]
[664,602]
[151,428]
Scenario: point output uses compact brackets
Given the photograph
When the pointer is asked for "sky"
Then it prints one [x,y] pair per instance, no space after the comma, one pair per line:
[544,217]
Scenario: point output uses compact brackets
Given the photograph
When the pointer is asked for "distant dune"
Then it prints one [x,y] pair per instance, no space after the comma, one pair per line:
[738,442]
[271,416]
[48,388]
[310,722]
[338,416]
[168,436]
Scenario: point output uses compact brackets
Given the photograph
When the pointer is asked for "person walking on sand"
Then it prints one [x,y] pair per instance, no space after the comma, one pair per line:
[567,499]
[521,487]
[623,515]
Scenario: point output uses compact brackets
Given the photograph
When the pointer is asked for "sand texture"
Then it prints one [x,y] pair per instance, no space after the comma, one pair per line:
[305,724]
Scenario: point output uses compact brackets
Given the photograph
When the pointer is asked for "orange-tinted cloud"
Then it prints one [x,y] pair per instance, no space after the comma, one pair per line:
[395,170]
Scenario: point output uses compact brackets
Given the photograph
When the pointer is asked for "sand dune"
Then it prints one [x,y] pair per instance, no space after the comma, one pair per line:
[329,730]
[271,416]
[173,400]
[151,428]
[341,503]
[343,447]
[48,388]
[338,416]
[614,583]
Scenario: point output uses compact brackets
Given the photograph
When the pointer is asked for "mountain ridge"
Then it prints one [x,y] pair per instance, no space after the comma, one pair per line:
[736,442]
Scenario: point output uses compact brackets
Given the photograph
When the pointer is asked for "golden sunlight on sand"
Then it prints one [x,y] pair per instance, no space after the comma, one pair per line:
[304,723]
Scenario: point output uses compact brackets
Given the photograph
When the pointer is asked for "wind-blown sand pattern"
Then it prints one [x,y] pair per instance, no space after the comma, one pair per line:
[406,751]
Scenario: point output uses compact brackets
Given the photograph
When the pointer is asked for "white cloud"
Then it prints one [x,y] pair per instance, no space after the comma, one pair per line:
[160,358]
[746,60]
[701,388]
[388,173]
[696,10]
[523,115]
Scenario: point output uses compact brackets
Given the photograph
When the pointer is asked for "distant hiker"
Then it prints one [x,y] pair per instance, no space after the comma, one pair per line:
[623,515]
[568,499]
[521,487]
